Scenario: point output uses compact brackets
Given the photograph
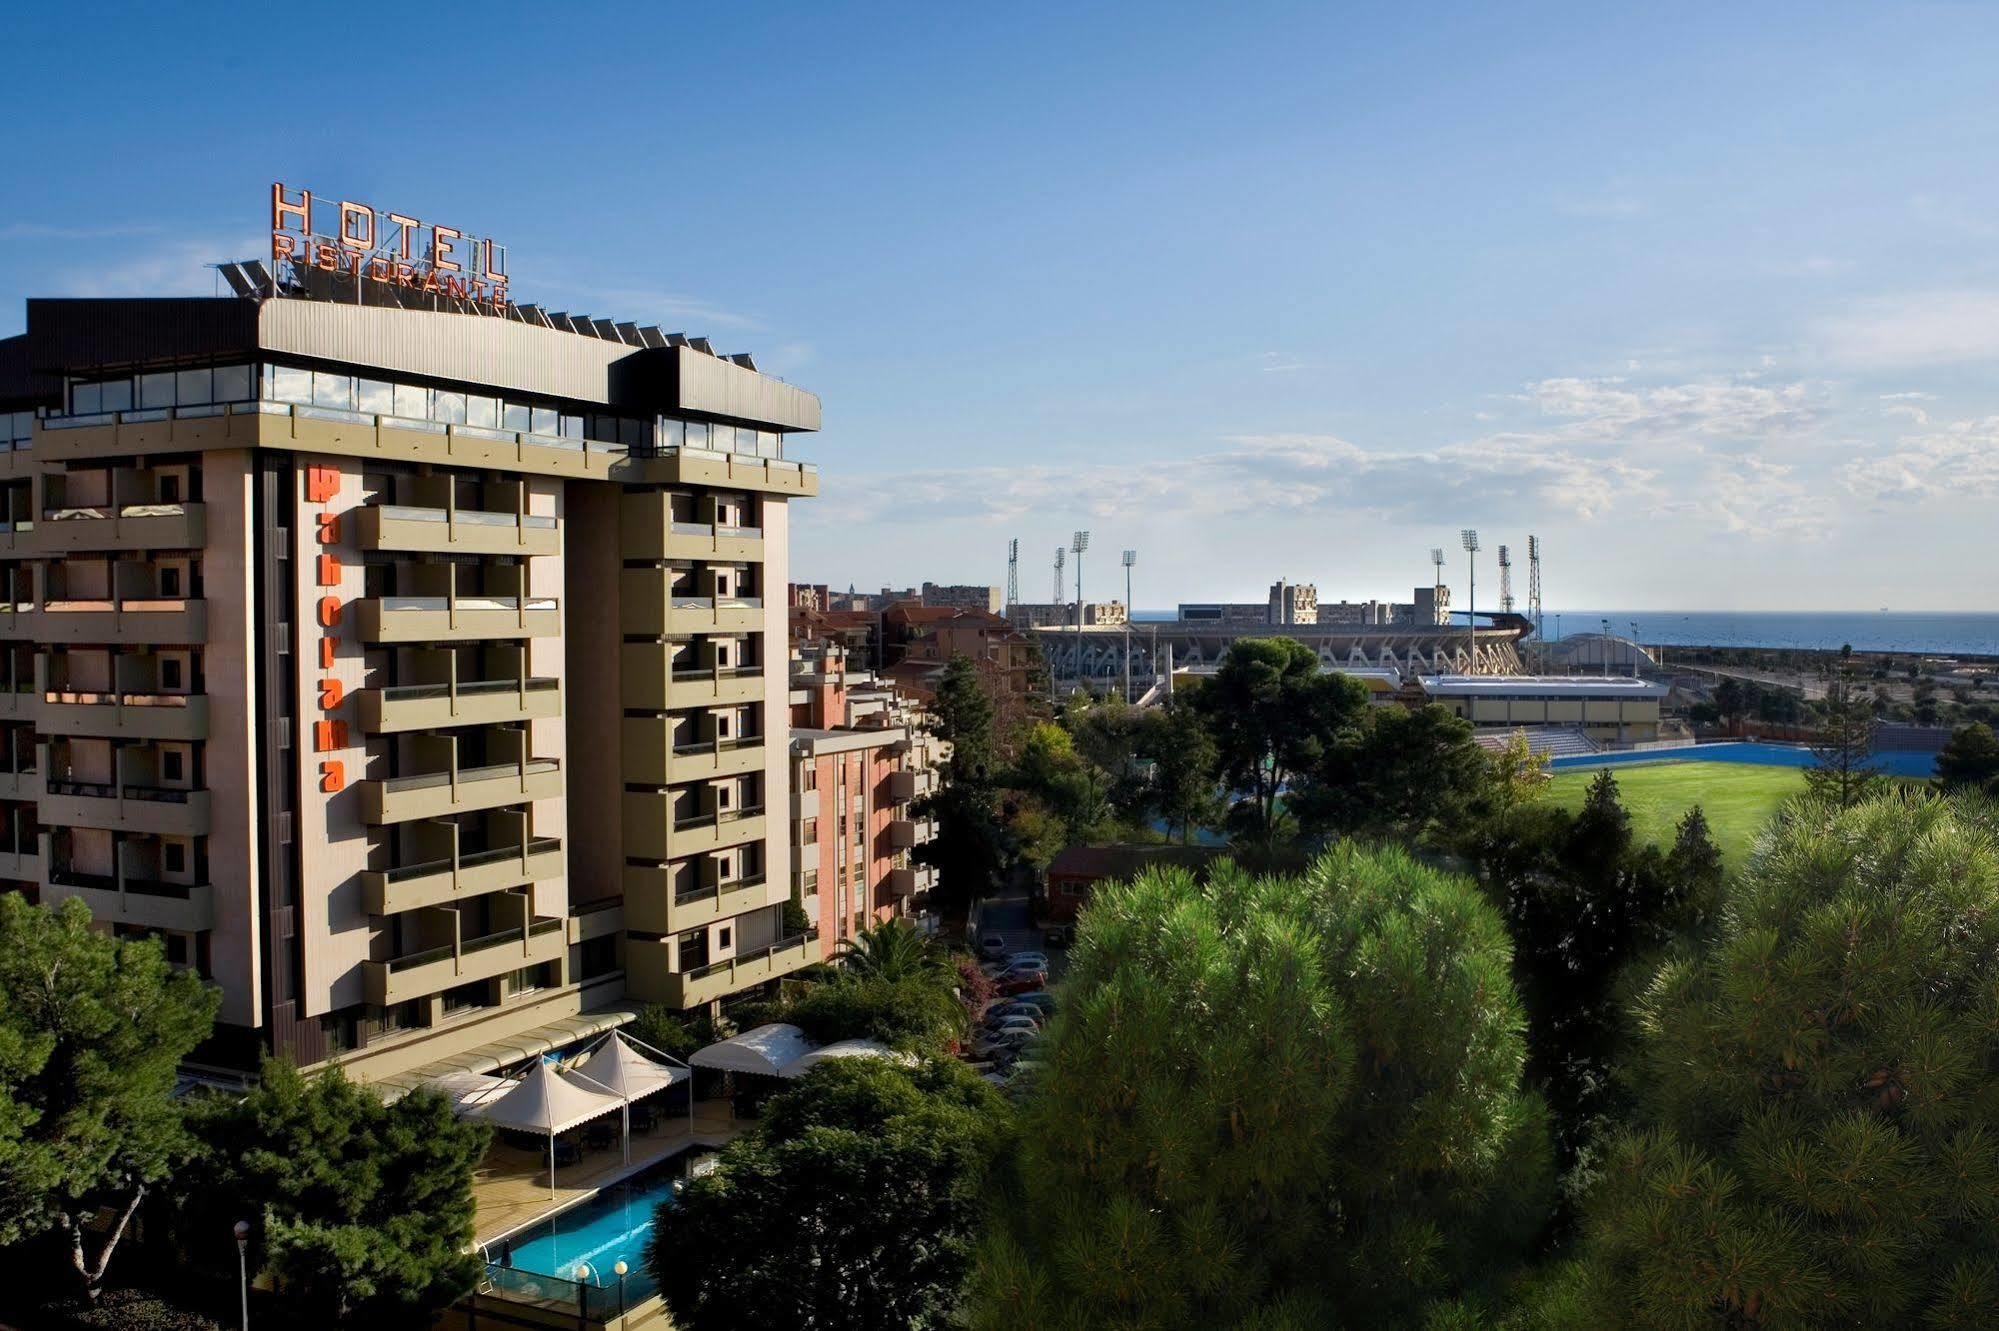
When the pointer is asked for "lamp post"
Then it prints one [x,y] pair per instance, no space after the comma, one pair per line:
[1470,537]
[621,1270]
[1130,558]
[582,1291]
[243,1268]
[1634,649]
[1077,544]
[1606,649]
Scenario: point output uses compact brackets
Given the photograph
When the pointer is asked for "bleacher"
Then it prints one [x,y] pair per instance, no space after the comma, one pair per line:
[1554,741]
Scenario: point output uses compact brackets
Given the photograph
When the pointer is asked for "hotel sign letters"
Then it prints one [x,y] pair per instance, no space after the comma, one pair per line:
[329,734]
[340,236]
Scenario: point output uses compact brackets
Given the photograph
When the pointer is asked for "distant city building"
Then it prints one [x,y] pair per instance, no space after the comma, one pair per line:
[1054,614]
[862,755]
[919,641]
[1355,614]
[810,596]
[967,596]
[1289,603]
[1293,603]
[1430,606]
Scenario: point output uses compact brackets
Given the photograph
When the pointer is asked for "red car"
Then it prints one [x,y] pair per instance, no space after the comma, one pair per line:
[1023,981]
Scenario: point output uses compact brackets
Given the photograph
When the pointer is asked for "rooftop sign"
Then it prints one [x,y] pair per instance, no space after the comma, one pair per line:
[371,244]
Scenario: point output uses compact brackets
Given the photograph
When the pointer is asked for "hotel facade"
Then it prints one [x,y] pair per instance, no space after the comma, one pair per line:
[420,675]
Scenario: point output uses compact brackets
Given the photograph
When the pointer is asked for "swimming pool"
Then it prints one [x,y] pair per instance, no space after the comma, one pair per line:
[609,1228]
[1893,762]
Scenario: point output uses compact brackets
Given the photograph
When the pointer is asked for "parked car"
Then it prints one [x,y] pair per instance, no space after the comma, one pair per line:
[1012,1009]
[1005,1024]
[1040,998]
[992,947]
[1020,982]
[1059,935]
[1038,958]
[1016,1040]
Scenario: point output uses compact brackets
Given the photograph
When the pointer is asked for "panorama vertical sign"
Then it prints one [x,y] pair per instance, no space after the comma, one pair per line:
[376,245]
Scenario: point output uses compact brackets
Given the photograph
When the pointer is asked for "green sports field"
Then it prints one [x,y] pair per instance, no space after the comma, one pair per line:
[1737,797]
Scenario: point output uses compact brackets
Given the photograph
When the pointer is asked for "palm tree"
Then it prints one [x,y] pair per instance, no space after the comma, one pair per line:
[894,951]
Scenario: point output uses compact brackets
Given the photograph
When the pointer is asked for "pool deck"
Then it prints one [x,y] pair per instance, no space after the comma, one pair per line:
[510,1186]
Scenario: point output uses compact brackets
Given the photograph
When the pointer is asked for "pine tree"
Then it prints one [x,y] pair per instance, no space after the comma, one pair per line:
[1817,1142]
[1271,1102]
[1970,761]
[1844,772]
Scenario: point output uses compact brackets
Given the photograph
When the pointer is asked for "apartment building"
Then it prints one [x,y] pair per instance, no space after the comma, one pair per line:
[418,674]
[1062,614]
[863,760]
[964,596]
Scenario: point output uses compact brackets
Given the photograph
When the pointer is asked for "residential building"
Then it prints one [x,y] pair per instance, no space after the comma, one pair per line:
[863,760]
[1293,603]
[1056,614]
[415,667]
[964,597]
[919,641]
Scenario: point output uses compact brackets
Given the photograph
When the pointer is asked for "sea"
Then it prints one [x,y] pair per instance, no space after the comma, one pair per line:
[1932,633]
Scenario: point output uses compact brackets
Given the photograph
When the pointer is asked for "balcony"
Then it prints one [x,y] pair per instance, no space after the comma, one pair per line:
[22,865]
[468,703]
[18,538]
[651,832]
[399,799]
[651,903]
[441,882]
[705,984]
[725,471]
[903,833]
[176,716]
[700,760]
[431,972]
[462,531]
[909,784]
[187,908]
[159,810]
[652,680]
[911,879]
[19,703]
[162,620]
[455,619]
[124,527]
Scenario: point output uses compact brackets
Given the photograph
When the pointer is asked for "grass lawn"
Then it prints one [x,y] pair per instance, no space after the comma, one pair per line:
[1738,798]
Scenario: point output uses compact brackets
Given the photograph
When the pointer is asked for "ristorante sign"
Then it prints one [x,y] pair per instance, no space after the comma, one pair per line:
[341,236]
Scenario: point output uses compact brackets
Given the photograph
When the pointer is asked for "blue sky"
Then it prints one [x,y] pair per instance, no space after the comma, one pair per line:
[1705,296]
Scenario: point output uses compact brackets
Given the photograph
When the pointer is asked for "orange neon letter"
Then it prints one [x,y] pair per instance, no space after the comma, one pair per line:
[321,482]
[329,570]
[332,776]
[329,612]
[329,528]
[328,736]
[331,691]
[357,225]
[440,246]
[281,208]
[326,653]
[404,225]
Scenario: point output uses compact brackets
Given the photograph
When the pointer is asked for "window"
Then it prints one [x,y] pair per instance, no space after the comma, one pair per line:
[546,421]
[177,953]
[808,779]
[194,387]
[483,412]
[232,383]
[169,489]
[808,834]
[515,417]
[332,390]
[723,937]
[672,434]
[170,583]
[173,857]
[155,390]
[171,680]
[290,385]
[173,765]
[697,434]
[86,399]
[375,397]
[412,404]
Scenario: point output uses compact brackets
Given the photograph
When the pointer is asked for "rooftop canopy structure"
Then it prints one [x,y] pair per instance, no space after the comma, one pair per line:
[764,1051]
[546,1101]
[804,1063]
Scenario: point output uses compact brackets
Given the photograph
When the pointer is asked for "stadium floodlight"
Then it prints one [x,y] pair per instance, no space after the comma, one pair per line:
[1470,537]
[1130,558]
[1079,543]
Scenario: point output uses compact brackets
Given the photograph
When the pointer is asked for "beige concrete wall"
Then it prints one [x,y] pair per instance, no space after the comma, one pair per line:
[235,946]
[332,838]
[777,697]
[548,736]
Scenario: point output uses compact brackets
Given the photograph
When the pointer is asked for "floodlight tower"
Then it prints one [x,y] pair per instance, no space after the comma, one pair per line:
[1534,593]
[1130,558]
[1470,538]
[1077,544]
[1634,649]
[1012,573]
[1436,578]
[1505,580]
[1061,554]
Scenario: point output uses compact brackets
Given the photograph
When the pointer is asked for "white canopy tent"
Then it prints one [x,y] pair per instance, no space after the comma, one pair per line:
[546,1101]
[617,1066]
[805,1062]
[468,1090]
[764,1051]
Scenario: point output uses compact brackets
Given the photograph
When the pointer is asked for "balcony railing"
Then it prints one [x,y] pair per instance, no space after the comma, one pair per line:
[468,516]
[473,859]
[718,818]
[714,890]
[476,688]
[718,672]
[396,785]
[717,529]
[720,745]
[109,790]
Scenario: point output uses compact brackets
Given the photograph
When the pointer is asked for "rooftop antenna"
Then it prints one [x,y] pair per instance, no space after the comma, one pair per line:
[1061,554]
[1012,572]
[1470,538]
[1505,580]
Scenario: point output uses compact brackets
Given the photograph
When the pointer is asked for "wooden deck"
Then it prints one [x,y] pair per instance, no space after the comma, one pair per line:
[510,1187]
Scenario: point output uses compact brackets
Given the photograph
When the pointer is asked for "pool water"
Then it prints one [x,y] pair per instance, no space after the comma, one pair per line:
[1892,762]
[609,1228]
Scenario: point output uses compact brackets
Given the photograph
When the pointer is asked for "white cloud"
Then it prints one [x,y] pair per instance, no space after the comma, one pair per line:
[1915,331]
[1955,460]
[166,268]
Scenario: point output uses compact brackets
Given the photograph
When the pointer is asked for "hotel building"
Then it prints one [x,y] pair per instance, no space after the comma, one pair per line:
[421,677]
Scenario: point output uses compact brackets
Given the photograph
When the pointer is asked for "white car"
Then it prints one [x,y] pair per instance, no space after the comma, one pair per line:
[1014,960]
[1004,1024]
[992,947]
[1015,1039]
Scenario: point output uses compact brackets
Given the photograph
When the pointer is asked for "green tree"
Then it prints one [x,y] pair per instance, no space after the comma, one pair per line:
[92,1032]
[1400,772]
[1695,866]
[1270,1098]
[852,1206]
[1970,761]
[966,850]
[1185,787]
[893,951]
[1050,772]
[1273,714]
[1843,771]
[1819,1104]
[360,1208]
[1109,735]
[1515,774]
